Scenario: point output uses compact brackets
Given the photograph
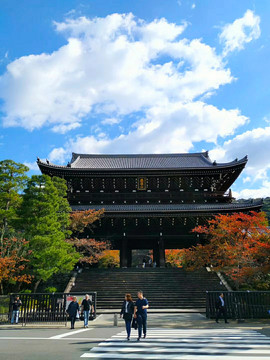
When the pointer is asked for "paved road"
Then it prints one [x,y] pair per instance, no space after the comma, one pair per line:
[50,344]
[196,344]
[170,336]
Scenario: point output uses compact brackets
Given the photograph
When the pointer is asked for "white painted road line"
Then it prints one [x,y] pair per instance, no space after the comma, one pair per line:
[69,333]
[44,338]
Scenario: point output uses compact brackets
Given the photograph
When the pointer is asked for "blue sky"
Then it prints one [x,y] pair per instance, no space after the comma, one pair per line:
[138,76]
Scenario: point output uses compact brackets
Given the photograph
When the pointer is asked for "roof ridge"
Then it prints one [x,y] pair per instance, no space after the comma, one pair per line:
[140,155]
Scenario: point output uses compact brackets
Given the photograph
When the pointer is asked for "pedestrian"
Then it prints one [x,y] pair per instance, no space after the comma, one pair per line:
[87,306]
[16,310]
[221,308]
[140,313]
[127,311]
[72,310]
[143,263]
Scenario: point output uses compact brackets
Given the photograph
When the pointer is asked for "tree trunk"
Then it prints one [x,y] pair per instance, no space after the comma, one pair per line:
[2,288]
[36,285]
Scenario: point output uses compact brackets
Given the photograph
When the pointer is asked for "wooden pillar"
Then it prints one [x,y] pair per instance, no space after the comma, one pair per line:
[124,253]
[156,254]
[129,257]
[161,251]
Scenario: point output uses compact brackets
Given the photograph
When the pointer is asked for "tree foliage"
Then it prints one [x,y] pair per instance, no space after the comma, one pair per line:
[12,181]
[14,257]
[90,250]
[45,221]
[174,257]
[266,207]
[109,259]
[238,245]
[82,220]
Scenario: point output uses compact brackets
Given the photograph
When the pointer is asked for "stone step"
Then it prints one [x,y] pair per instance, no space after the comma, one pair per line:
[164,288]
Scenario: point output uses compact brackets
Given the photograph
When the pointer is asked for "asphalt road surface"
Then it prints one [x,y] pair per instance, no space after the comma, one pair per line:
[20,343]
[170,336]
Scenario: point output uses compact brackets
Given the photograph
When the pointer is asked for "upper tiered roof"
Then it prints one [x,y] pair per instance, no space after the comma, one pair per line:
[145,161]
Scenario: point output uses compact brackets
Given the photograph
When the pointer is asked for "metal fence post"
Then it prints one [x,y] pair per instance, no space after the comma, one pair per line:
[115,320]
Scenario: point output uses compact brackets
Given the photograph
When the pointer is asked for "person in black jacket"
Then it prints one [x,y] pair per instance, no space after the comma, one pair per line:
[16,310]
[72,311]
[127,312]
[221,308]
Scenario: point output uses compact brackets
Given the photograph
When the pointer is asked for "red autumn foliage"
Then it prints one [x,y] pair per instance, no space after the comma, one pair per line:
[13,260]
[81,220]
[91,250]
[238,245]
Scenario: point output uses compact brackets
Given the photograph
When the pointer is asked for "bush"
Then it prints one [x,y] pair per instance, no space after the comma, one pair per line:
[50,289]
[110,259]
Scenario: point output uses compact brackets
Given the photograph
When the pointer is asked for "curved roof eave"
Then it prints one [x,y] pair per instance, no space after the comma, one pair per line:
[211,166]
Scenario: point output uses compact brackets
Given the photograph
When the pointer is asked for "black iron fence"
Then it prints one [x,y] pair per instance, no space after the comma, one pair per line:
[240,304]
[46,307]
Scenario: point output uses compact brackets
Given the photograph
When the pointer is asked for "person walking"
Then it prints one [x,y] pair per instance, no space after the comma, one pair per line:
[140,313]
[16,310]
[221,308]
[127,311]
[72,310]
[87,305]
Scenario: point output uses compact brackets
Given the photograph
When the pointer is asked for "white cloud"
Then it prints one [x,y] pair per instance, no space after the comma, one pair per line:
[193,6]
[256,144]
[32,165]
[165,129]
[109,65]
[261,192]
[62,128]
[234,36]
[111,121]
[246,179]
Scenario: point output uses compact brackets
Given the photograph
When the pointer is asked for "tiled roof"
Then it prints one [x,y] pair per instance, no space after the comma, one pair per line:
[150,161]
[170,207]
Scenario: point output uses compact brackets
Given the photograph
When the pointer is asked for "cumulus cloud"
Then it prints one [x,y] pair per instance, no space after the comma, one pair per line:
[165,129]
[234,36]
[112,65]
[262,191]
[110,121]
[147,76]
[32,165]
[256,144]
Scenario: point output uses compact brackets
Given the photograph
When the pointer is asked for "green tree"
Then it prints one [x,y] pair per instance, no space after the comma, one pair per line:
[13,180]
[45,220]
[266,207]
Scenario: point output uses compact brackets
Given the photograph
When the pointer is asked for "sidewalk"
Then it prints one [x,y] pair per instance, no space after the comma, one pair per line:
[183,320]
[163,320]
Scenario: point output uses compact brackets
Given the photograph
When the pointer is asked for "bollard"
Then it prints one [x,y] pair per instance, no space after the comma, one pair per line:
[115,320]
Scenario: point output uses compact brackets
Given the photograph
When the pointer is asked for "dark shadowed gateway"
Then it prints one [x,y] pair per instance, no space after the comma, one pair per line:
[150,201]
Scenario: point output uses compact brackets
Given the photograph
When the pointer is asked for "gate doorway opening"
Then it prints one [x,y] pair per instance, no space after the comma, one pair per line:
[142,258]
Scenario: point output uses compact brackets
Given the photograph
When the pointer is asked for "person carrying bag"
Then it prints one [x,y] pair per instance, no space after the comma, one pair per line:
[127,312]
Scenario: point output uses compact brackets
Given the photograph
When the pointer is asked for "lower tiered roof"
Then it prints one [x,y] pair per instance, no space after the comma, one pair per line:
[171,208]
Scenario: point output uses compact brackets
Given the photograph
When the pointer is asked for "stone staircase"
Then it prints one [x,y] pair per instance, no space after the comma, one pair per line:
[169,288]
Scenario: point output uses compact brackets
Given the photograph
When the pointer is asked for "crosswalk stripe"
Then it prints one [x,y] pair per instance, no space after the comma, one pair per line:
[199,344]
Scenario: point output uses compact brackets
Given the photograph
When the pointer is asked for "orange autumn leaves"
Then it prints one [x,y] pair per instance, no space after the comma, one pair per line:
[13,260]
[90,250]
[238,245]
